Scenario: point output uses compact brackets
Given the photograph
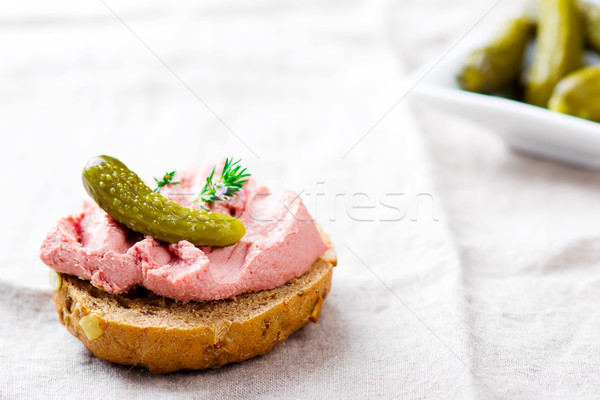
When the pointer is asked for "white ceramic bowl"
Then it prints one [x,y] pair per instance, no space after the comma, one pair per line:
[522,126]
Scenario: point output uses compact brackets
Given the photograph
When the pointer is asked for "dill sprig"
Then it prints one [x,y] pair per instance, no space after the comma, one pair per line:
[167,179]
[232,179]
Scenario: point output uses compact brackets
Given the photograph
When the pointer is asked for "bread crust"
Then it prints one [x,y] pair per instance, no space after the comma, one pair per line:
[163,335]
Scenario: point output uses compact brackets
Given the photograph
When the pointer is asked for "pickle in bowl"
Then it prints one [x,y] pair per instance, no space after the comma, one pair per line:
[497,66]
[591,24]
[559,49]
[578,94]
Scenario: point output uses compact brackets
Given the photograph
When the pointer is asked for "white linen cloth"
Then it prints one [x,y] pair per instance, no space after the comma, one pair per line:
[465,271]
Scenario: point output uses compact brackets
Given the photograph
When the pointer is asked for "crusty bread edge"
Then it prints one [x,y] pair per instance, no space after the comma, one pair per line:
[162,350]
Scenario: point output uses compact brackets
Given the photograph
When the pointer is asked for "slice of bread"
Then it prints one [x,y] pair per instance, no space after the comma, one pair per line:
[164,335]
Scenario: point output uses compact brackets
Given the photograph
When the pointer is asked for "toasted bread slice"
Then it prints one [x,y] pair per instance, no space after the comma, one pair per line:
[164,335]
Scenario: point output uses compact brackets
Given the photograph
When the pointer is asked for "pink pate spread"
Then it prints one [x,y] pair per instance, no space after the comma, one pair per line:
[281,242]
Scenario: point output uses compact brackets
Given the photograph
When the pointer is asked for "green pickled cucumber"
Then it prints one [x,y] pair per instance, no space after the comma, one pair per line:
[578,94]
[497,66]
[127,199]
[559,49]
[591,24]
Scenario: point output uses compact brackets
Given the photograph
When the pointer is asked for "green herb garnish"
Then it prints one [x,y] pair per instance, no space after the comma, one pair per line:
[167,179]
[231,181]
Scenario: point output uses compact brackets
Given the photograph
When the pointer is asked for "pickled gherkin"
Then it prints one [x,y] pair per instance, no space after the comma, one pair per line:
[579,94]
[497,66]
[127,199]
[559,49]
[591,23]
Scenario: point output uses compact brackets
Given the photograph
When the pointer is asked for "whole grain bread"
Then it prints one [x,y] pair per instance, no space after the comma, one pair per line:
[164,335]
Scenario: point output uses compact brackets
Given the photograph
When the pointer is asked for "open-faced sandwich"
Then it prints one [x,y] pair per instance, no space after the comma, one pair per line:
[195,274]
